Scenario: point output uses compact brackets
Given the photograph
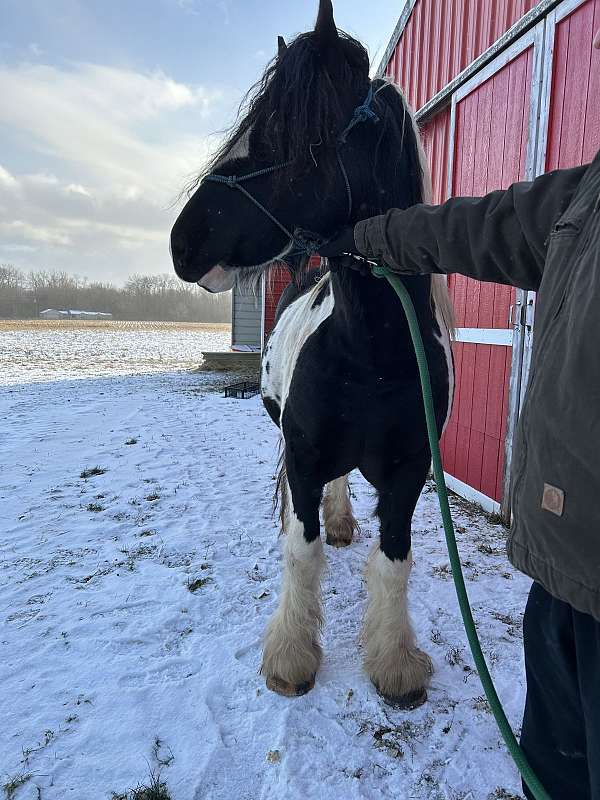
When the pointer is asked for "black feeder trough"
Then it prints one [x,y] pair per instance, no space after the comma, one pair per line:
[242,390]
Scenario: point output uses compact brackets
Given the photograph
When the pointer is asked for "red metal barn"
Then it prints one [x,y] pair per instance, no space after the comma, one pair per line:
[492,82]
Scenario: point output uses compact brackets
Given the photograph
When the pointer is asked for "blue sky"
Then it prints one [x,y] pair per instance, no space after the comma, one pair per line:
[109,105]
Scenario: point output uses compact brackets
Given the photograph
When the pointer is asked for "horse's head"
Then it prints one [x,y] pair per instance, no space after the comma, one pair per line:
[311,176]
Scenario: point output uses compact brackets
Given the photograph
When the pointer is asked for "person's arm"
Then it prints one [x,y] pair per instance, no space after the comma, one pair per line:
[501,237]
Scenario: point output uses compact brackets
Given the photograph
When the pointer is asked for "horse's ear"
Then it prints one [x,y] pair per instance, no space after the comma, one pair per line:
[325,26]
[281,46]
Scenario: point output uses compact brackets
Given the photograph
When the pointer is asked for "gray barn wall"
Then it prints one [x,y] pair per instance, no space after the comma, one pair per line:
[246,317]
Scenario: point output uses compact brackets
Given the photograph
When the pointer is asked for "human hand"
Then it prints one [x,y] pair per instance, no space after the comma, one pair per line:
[341,252]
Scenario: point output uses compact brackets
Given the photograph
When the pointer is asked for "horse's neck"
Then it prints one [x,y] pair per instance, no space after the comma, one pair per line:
[370,307]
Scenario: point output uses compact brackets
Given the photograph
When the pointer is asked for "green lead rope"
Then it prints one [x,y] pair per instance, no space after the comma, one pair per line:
[463,601]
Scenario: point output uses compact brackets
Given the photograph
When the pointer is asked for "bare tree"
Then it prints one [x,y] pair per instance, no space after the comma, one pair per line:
[144,297]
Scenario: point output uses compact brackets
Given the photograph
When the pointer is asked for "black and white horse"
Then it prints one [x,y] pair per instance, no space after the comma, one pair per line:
[320,146]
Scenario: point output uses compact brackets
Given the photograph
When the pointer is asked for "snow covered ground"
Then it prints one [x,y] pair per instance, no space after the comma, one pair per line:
[39,351]
[133,601]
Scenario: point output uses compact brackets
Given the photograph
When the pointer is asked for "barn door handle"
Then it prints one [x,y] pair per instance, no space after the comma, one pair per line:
[511,314]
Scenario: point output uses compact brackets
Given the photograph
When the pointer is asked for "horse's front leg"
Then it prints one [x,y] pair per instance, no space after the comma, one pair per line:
[292,652]
[398,669]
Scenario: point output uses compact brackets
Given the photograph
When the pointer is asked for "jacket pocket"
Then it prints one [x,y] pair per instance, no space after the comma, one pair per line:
[566,227]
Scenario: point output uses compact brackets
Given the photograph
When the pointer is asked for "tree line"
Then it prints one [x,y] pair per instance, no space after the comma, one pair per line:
[143,297]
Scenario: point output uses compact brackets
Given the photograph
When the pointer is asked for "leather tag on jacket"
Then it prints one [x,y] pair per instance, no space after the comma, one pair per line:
[553,499]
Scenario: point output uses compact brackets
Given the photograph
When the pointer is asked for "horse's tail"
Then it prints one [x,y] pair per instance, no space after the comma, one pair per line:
[280,498]
[440,298]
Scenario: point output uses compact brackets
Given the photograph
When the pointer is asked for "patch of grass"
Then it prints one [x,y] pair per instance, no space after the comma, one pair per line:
[507,619]
[481,704]
[500,793]
[95,507]
[454,656]
[199,583]
[91,471]
[397,739]
[436,636]
[48,737]
[490,550]
[495,519]
[156,790]
[11,786]
[386,740]
[159,749]
[442,571]
[133,440]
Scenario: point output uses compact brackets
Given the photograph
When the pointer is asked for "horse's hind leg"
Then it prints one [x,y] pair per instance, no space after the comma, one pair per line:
[292,652]
[398,669]
[339,520]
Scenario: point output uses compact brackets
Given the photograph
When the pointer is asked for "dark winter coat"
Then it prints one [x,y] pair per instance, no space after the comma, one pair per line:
[543,235]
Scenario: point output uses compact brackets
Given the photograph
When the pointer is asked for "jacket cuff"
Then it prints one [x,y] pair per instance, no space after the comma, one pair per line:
[368,236]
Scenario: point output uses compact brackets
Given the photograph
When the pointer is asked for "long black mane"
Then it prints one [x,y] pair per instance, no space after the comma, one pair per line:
[297,110]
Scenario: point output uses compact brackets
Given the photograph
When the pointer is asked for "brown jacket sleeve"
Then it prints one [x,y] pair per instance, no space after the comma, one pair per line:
[501,237]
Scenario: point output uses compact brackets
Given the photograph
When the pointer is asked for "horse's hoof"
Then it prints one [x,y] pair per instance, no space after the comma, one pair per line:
[288,689]
[337,542]
[405,702]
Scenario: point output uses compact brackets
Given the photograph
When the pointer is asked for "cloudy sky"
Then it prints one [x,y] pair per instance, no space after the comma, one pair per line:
[107,106]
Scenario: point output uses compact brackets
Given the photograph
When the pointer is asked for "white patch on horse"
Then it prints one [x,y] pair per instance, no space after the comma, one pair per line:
[297,323]
[292,652]
[392,660]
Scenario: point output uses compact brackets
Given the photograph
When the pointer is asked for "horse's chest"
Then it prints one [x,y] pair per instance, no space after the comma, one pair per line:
[298,323]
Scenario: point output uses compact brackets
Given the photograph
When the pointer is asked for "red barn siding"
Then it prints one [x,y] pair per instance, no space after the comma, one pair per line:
[490,147]
[276,281]
[442,37]
[574,120]
[436,142]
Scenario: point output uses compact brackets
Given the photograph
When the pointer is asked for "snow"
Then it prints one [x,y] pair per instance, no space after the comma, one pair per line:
[105,648]
[31,353]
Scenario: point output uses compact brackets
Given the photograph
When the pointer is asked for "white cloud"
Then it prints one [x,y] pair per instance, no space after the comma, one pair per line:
[197,7]
[35,50]
[6,179]
[119,158]
[77,188]
[102,119]
[48,235]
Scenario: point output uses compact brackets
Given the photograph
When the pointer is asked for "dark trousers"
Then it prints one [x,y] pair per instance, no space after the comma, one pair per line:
[561,726]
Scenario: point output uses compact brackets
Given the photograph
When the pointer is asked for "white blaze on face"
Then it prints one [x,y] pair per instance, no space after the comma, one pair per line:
[218,280]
